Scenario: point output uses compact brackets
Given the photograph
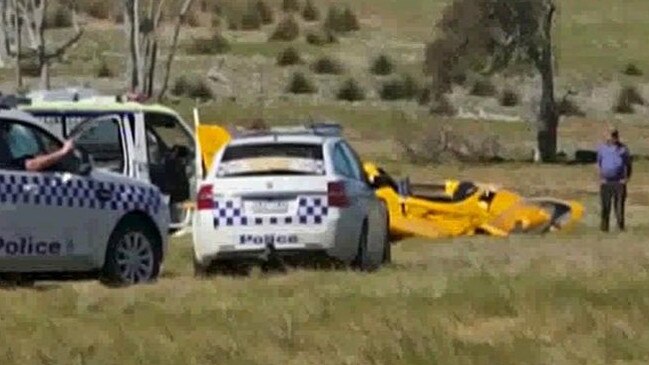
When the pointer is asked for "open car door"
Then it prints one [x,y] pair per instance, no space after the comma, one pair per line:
[108,140]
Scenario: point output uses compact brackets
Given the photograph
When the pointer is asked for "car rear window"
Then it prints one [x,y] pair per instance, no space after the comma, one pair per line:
[272,159]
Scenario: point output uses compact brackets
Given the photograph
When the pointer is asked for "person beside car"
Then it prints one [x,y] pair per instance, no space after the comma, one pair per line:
[11,157]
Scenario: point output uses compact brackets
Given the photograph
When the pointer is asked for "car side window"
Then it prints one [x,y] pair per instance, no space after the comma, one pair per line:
[342,165]
[104,142]
[354,161]
[19,141]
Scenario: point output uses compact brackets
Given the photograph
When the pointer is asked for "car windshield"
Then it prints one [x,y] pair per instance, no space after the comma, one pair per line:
[271,159]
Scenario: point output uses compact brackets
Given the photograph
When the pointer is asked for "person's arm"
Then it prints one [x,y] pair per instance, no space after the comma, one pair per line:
[628,164]
[43,162]
[599,164]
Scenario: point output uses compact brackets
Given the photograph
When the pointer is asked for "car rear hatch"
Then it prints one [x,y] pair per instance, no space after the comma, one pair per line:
[274,184]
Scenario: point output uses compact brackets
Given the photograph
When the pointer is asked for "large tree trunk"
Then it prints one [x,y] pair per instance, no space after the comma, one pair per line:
[548,114]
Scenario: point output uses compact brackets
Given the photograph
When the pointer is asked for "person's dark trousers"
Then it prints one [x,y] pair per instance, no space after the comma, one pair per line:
[612,193]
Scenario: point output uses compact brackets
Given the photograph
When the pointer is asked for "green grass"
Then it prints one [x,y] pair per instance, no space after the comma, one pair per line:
[570,298]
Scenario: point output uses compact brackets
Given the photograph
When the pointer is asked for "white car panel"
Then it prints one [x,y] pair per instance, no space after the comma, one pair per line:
[245,209]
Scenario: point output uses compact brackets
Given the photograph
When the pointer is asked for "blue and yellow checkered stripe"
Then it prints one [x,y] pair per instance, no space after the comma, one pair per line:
[230,213]
[50,190]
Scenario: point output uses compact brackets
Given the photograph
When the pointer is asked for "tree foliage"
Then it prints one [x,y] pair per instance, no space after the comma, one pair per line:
[488,36]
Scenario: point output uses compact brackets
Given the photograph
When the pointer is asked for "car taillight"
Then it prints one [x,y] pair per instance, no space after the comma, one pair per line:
[205,199]
[336,194]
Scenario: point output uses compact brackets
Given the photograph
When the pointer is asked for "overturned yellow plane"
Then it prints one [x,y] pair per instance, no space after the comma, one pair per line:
[462,208]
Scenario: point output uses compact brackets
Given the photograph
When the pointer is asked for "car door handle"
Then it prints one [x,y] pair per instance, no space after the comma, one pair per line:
[104,194]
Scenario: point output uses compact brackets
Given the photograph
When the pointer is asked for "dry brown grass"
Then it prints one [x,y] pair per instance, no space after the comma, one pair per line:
[577,297]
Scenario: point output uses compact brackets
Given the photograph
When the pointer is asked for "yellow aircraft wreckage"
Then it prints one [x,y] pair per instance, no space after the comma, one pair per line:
[463,208]
[451,209]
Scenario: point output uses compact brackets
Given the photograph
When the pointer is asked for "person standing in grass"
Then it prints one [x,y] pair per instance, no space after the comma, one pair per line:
[614,167]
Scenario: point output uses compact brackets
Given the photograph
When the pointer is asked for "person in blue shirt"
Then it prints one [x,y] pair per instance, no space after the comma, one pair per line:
[614,167]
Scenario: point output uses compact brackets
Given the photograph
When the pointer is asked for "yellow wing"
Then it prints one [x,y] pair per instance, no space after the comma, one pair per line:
[211,139]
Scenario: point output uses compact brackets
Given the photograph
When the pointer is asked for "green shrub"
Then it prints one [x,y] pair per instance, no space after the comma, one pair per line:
[288,57]
[633,95]
[29,67]
[424,95]
[217,44]
[310,13]
[191,19]
[509,98]
[58,17]
[341,20]
[632,70]
[382,65]
[265,12]
[483,87]
[290,6]
[327,65]
[299,84]
[199,89]
[287,30]
[180,86]
[568,107]
[103,71]
[216,21]
[351,91]
[321,38]
[404,87]
[251,19]
[628,96]
[442,106]
[194,88]
[99,9]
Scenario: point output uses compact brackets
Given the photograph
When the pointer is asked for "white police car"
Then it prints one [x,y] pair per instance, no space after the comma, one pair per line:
[288,192]
[74,218]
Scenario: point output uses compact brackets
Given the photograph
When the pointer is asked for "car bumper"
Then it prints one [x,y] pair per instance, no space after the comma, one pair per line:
[260,244]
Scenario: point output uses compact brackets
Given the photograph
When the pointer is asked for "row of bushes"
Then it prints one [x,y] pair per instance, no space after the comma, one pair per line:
[380,66]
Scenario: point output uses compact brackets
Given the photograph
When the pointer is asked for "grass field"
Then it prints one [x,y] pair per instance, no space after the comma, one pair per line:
[579,297]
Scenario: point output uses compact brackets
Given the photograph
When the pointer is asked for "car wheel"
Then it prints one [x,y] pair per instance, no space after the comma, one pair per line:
[387,249]
[362,261]
[200,271]
[133,255]
[387,242]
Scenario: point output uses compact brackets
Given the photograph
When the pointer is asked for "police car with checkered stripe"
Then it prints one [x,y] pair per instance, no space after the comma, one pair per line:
[74,217]
[286,193]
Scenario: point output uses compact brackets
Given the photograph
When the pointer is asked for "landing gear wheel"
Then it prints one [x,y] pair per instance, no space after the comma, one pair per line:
[133,255]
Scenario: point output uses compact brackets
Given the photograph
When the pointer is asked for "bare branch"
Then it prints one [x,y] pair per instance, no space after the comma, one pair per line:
[172,51]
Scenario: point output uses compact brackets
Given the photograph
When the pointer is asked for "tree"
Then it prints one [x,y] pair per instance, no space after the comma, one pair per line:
[142,30]
[30,14]
[488,36]
[180,20]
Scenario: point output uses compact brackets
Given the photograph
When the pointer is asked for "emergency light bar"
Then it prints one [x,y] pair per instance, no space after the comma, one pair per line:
[316,129]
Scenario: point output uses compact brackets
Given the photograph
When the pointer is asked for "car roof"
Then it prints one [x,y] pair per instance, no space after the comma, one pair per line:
[100,103]
[309,139]
[21,116]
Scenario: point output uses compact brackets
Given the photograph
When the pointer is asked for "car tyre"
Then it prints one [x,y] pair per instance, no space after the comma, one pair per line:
[133,255]
[200,271]
[363,261]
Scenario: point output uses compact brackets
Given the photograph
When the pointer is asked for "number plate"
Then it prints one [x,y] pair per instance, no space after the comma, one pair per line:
[269,207]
